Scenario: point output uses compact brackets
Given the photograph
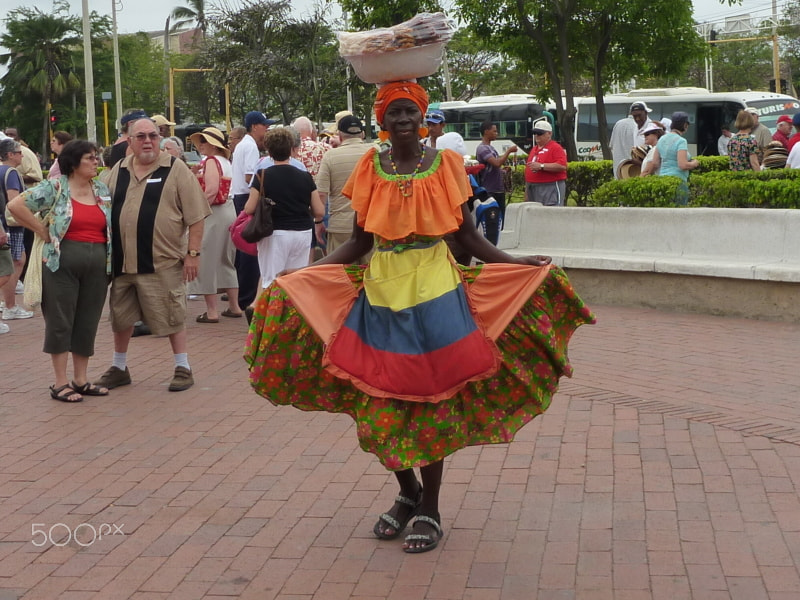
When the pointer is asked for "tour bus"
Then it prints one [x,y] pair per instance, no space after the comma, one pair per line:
[516,113]
[708,112]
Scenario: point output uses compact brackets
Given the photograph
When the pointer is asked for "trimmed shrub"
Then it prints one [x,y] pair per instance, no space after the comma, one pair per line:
[585,177]
[779,188]
[638,191]
[709,164]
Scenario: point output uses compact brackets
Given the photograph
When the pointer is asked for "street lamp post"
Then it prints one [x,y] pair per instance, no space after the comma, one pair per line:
[91,125]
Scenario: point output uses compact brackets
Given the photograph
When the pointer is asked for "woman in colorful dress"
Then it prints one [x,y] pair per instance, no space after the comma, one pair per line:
[76,266]
[743,150]
[426,356]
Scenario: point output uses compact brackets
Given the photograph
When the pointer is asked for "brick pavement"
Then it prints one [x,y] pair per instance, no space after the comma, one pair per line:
[667,468]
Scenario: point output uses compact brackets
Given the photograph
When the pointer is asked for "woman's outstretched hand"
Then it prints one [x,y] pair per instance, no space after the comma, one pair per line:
[536,261]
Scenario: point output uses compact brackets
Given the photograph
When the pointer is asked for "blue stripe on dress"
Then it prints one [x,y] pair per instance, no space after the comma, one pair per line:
[424,328]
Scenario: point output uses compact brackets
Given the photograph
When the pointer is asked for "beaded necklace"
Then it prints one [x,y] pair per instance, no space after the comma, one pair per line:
[405,182]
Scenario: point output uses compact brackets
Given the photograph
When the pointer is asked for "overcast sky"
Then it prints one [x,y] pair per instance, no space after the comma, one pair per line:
[150,15]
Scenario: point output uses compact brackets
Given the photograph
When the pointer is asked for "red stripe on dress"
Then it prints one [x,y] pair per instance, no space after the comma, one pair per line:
[430,377]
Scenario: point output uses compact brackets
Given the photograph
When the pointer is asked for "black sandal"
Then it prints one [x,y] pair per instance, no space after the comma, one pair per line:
[90,389]
[65,393]
[432,541]
[393,522]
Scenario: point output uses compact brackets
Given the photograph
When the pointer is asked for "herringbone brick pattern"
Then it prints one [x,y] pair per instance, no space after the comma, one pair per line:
[667,468]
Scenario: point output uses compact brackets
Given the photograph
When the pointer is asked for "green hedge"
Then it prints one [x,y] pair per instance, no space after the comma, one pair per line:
[591,183]
[779,188]
[638,191]
[585,177]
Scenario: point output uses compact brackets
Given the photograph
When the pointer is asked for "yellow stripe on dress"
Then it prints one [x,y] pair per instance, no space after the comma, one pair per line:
[409,278]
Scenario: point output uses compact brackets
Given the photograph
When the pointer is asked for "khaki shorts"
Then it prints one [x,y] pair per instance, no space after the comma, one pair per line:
[158,299]
[6,264]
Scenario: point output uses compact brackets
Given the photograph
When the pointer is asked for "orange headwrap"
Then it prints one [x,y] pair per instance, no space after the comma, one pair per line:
[399,89]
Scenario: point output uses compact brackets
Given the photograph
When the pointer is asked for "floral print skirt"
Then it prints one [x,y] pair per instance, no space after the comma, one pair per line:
[287,367]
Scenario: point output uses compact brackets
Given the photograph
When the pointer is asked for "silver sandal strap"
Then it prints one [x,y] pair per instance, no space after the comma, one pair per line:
[406,501]
[430,521]
[387,518]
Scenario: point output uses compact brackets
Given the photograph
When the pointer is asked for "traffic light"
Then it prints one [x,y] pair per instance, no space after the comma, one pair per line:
[178,114]
[53,118]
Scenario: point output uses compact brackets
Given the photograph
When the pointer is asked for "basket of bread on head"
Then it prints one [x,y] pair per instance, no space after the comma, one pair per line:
[403,52]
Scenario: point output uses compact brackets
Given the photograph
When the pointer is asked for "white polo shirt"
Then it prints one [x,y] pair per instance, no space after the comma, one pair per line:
[245,159]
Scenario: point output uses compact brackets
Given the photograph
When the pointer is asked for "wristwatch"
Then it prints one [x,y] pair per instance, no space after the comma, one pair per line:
[193,253]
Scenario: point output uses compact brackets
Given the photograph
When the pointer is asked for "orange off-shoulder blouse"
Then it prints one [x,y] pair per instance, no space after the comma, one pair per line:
[433,209]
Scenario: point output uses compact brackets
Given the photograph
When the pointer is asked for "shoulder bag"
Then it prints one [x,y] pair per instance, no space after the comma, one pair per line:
[261,225]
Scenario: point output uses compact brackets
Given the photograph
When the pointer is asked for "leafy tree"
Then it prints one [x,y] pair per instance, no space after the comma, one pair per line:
[790,40]
[274,63]
[194,13]
[40,62]
[742,65]
[365,14]
[604,40]
[477,70]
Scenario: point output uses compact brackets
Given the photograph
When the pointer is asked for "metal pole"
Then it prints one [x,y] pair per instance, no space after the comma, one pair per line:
[91,125]
[228,123]
[172,95]
[105,118]
[347,72]
[117,81]
[776,64]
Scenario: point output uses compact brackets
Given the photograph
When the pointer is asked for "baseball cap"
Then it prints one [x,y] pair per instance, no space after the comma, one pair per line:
[161,120]
[784,119]
[540,126]
[638,105]
[350,124]
[751,110]
[255,117]
[434,116]
[133,116]
[796,120]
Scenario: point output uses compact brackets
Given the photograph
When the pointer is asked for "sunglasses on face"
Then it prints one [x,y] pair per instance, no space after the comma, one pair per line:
[539,132]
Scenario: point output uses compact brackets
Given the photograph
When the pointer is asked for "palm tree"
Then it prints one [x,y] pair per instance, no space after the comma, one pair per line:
[194,13]
[39,57]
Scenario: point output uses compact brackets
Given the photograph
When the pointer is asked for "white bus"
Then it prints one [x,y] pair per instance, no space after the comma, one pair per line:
[516,113]
[708,112]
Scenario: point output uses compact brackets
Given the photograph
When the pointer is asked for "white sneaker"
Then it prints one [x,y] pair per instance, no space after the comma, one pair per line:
[16,312]
[4,328]
[20,288]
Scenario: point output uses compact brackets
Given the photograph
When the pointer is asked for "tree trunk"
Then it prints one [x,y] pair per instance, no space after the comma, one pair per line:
[599,65]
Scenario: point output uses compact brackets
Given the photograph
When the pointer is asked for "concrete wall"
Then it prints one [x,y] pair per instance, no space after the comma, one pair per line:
[752,299]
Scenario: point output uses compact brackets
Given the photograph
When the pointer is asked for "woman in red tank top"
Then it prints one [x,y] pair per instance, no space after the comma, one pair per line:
[76,263]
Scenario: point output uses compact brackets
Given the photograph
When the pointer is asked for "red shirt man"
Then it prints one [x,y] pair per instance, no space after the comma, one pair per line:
[546,168]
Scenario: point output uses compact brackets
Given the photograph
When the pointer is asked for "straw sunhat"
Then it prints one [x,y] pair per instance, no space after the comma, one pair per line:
[629,168]
[213,136]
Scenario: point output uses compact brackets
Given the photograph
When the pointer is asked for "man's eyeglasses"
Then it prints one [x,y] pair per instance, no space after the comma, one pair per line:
[140,137]
[539,132]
